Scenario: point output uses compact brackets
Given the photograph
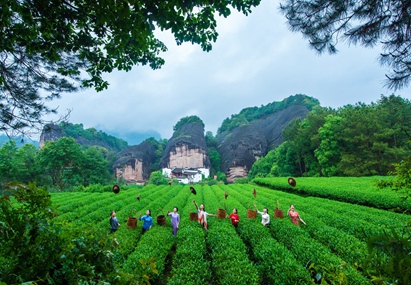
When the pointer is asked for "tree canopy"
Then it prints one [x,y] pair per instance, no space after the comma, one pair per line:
[359,140]
[51,47]
[364,22]
[188,120]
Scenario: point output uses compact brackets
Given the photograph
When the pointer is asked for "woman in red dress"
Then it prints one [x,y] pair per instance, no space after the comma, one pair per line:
[234,218]
[294,216]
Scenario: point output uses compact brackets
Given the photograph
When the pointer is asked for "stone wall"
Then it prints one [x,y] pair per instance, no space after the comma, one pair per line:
[131,172]
[184,157]
[236,172]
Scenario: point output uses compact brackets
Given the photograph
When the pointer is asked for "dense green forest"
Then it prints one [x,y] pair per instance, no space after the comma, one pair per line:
[354,140]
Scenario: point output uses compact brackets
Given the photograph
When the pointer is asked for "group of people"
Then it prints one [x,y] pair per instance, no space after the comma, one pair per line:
[235,218]
[147,221]
[202,218]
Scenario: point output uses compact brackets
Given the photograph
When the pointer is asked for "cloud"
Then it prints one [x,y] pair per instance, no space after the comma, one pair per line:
[255,61]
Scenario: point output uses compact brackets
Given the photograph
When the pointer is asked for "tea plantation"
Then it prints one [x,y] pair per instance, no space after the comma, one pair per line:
[330,249]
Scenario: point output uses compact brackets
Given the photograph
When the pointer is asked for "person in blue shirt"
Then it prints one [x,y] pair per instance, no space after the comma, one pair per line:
[147,221]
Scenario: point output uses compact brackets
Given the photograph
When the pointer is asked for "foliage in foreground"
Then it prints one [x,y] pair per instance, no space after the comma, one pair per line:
[68,255]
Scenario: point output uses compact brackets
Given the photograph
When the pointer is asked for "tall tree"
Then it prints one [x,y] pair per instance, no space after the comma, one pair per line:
[94,167]
[303,140]
[7,154]
[364,22]
[328,152]
[25,164]
[48,46]
[61,161]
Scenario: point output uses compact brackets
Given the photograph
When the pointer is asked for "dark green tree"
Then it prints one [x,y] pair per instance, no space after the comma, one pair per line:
[93,169]
[215,161]
[188,120]
[157,178]
[61,161]
[262,167]
[211,140]
[8,151]
[329,151]
[366,22]
[286,161]
[303,140]
[25,166]
[48,46]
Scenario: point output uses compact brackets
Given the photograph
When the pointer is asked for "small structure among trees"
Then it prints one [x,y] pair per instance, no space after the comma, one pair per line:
[186,175]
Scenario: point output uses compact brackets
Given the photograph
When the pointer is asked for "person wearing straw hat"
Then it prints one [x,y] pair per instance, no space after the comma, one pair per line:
[175,219]
[147,221]
[265,217]
[235,218]
[294,216]
[202,215]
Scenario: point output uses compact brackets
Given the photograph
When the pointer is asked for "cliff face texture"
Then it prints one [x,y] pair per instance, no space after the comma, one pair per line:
[187,148]
[241,147]
[50,132]
[135,162]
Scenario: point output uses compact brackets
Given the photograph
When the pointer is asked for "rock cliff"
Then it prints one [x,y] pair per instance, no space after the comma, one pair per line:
[187,148]
[135,163]
[242,146]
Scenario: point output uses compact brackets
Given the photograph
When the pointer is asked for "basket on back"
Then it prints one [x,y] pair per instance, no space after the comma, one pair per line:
[278,213]
[251,214]
[131,221]
[193,216]
[221,213]
[161,219]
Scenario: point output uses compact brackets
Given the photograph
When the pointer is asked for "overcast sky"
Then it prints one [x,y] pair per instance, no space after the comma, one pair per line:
[255,61]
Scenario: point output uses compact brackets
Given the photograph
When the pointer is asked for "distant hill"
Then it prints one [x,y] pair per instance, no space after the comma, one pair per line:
[251,114]
[19,143]
[91,136]
[135,138]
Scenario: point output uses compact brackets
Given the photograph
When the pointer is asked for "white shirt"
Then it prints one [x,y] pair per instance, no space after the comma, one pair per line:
[265,218]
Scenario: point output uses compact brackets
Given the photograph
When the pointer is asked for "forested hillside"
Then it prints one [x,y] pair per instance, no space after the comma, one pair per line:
[354,140]
[248,115]
[90,136]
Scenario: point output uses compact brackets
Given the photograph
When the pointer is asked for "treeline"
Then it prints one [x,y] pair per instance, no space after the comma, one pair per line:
[247,115]
[354,140]
[92,135]
[60,164]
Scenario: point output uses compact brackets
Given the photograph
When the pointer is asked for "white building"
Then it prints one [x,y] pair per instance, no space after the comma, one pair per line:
[186,175]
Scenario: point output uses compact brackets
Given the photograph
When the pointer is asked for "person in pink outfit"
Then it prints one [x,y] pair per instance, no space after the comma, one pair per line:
[295,217]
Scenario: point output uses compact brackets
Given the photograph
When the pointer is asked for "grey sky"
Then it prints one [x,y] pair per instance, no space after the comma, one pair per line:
[255,61]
